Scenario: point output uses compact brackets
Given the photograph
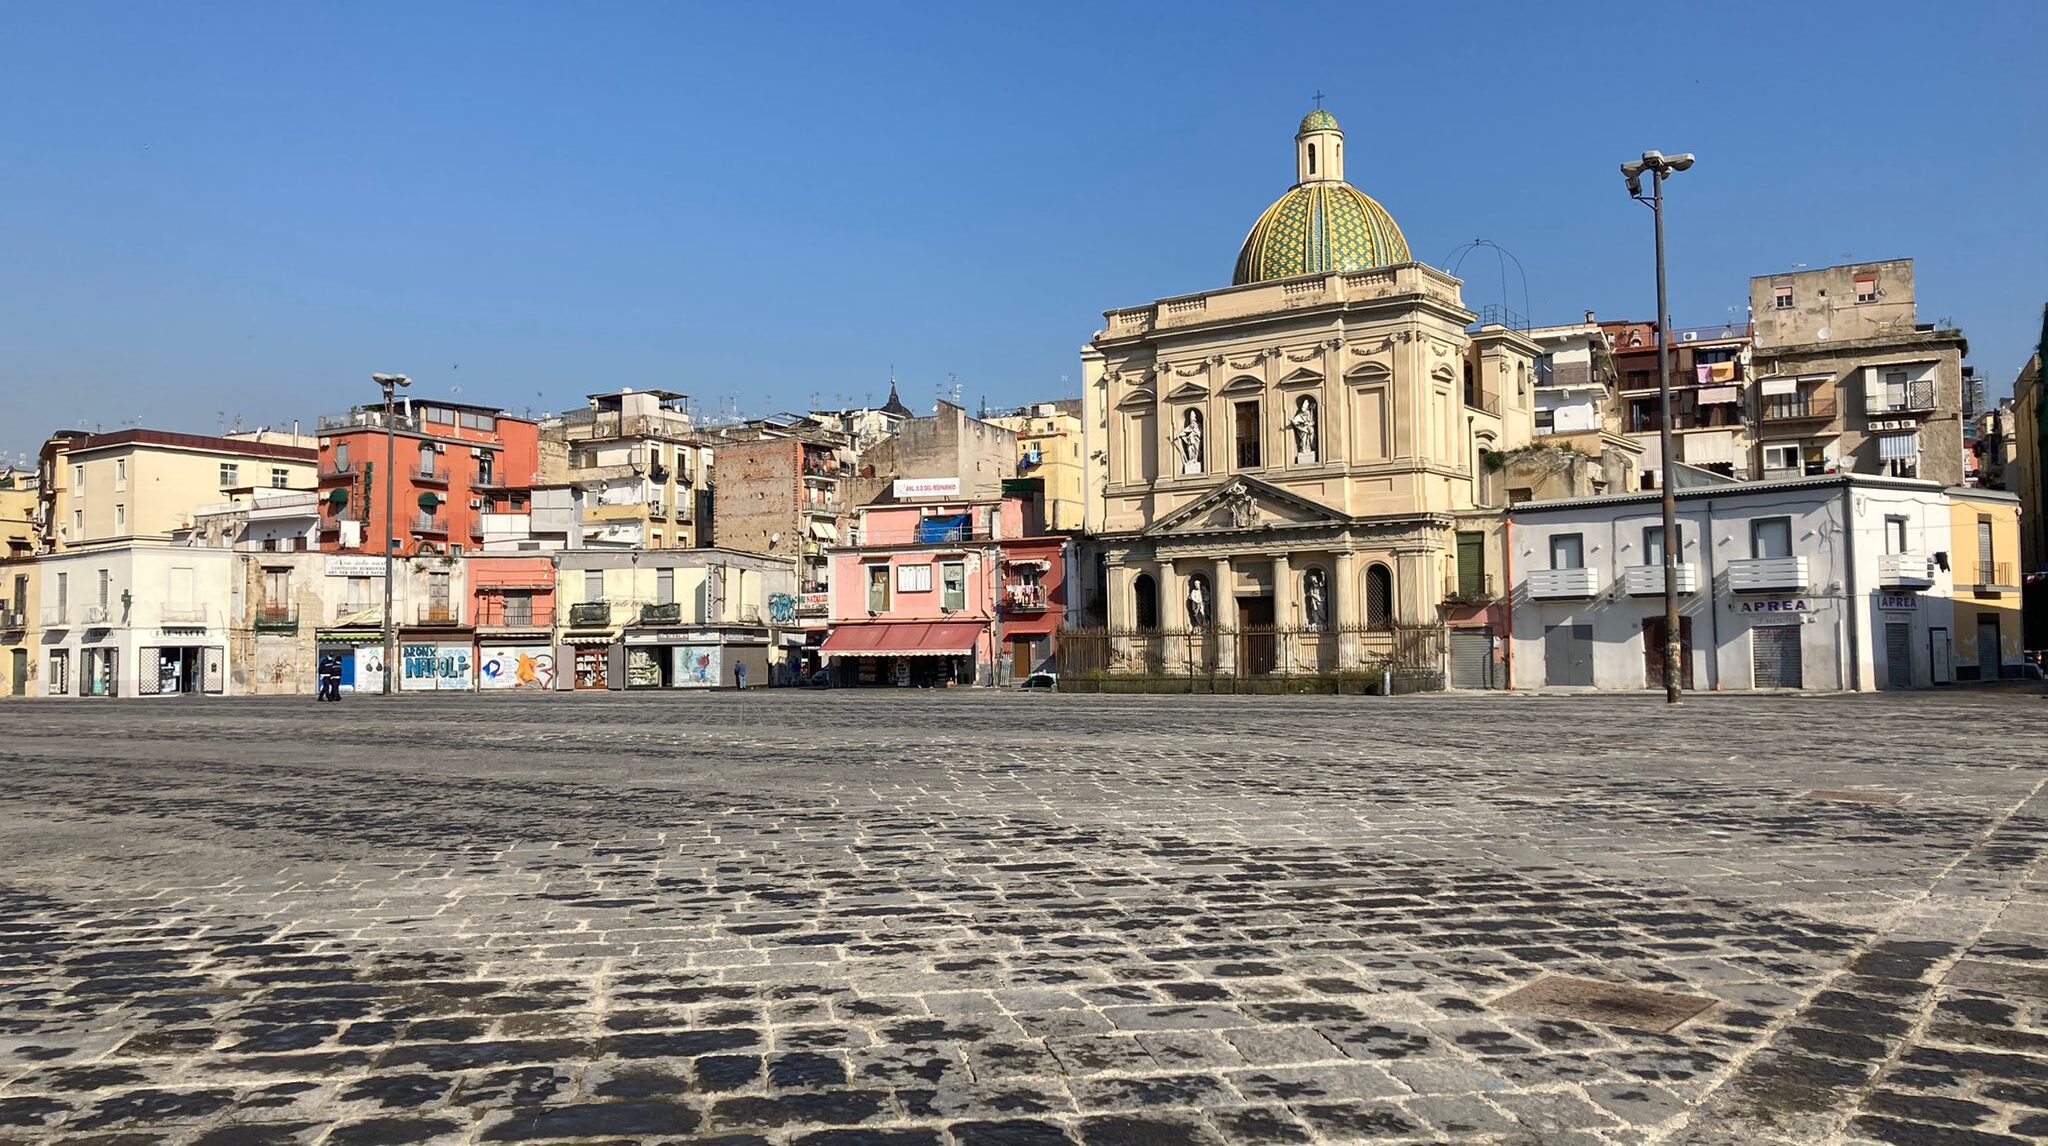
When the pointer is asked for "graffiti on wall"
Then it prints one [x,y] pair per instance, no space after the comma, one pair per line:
[433,666]
[781,609]
[696,666]
[642,669]
[527,667]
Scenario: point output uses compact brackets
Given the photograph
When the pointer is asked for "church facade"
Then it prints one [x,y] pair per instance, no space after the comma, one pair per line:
[1309,456]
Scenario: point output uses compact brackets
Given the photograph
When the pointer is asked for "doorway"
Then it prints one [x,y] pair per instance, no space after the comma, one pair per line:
[1898,654]
[178,670]
[1774,656]
[18,672]
[1987,648]
[1568,655]
[1256,649]
[1654,638]
[1020,657]
[1938,655]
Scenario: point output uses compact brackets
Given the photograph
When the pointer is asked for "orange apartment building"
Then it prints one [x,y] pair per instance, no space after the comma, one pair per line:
[454,462]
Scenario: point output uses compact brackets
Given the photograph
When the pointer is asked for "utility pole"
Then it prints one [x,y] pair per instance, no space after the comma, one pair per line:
[390,384]
[1660,168]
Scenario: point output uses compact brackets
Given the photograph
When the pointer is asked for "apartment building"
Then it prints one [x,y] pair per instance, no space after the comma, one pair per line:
[667,619]
[1850,381]
[636,459]
[1049,449]
[140,484]
[450,462]
[1710,365]
[782,493]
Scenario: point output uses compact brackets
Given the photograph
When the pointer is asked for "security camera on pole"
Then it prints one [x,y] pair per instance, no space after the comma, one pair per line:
[390,384]
[1661,168]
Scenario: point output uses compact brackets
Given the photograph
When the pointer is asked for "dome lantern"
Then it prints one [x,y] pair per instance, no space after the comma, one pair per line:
[1319,149]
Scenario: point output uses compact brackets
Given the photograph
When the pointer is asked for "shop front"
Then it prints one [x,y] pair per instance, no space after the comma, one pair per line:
[361,653]
[590,664]
[904,654]
[180,670]
[515,664]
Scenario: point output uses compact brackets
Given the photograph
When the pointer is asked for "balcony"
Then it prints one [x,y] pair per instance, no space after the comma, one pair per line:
[429,614]
[1811,406]
[1995,579]
[590,614]
[96,614]
[482,483]
[668,613]
[1648,580]
[275,619]
[336,470]
[1468,589]
[182,614]
[1767,574]
[333,522]
[429,525]
[1483,402]
[1024,597]
[658,474]
[1563,584]
[657,511]
[1905,571]
[429,477]
[13,619]
[366,420]
[56,617]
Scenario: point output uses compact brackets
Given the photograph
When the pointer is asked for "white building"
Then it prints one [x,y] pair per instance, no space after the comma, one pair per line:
[141,618]
[1836,582]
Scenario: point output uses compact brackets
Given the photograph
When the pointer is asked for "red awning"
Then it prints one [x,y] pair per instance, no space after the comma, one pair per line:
[903,639]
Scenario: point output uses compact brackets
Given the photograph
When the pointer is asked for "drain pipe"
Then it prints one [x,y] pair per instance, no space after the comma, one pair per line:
[1713,598]
[1507,592]
[1852,606]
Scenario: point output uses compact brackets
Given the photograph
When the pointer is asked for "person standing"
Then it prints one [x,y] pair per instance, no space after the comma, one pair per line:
[739,675]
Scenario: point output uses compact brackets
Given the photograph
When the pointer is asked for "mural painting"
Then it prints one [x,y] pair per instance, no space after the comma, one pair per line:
[528,668]
[423,667]
[696,666]
[642,669]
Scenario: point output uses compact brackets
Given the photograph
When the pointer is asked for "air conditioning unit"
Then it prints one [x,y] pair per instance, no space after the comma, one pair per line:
[476,503]
[440,448]
[1689,336]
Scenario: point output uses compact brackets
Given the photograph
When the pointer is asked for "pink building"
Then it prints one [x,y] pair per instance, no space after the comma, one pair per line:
[924,592]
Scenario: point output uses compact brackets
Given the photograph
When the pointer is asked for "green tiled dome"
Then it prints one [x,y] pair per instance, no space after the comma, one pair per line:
[1317,228]
[1319,120]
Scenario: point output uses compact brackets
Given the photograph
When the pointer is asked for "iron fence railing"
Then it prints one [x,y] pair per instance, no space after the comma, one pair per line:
[1254,652]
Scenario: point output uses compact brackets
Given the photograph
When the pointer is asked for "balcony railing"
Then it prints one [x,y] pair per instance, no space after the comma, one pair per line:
[13,619]
[489,616]
[1995,577]
[426,523]
[96,614]
[429,614]
[1468,589]
[332,523]
[56,616]
[1905,571]
[1578,581]
[668,613]
[1024,598]
[1767,574]
[590,613]
[276,619]
[429,477]
[1812,406]
[366,419]
[182,614]
[1483,402]
[1648,580]
[330,470]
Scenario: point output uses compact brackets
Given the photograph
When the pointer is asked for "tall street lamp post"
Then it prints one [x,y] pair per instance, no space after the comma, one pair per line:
[1660,169]
[390,384]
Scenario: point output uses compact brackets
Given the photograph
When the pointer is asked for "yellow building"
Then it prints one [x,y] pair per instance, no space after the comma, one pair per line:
[1984,567]
[668,619]
[1050,447]
[146,484]
[19,628]
[17,514]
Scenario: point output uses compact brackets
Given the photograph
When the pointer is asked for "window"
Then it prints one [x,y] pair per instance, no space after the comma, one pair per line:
[120,519]
[593,584]
[1782,457]
[426,458]
[913,578]
[878,588]
[474,421]
[280,478]
[341,457]
[78,479]
[519,608]
[953,583]
[1145,601]
[1653,544]
[268,545]
[230,475]
[1247,434]
[1379,597]
[1546,420]
[664,586]
[357,596]
[485,463]
[1986,554]
[1567,551]
[1770,537]
[1894,389]
[20,593]
[1866,288]
[1895,535]
[77,524]
[1781,298]
[277,592]
[63,592]
[120,473]
[1471,565]
[437,594]
[1311,159]
[1641,380]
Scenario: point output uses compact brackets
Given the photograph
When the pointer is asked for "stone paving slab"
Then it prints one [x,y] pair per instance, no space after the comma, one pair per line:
[974,919]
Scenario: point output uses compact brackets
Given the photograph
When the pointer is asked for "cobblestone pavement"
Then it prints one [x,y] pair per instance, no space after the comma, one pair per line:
[963,919]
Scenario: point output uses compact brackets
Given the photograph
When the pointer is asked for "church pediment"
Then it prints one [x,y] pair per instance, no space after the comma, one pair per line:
[1301,377]
[1140,398]
[1245,384]
[1241,504]
[1188,392]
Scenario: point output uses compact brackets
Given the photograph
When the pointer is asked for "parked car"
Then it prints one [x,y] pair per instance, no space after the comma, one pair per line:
[1041,680]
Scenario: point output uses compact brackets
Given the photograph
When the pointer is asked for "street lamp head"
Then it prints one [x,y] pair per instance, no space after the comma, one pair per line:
[389,380]
[1681,162]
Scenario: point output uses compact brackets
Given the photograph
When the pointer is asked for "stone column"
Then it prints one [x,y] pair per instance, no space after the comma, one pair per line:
[1286,616]
[1225,611]
[1173,612]
[1348,609]
[1416,587]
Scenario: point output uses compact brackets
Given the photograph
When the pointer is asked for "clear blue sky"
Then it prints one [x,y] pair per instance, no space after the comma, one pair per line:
[250,208]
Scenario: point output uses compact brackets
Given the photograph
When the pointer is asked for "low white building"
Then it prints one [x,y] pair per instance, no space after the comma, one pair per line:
[1836,582]
[139,618]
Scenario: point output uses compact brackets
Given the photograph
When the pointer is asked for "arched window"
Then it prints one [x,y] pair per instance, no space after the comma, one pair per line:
[1145,601]
[1311,159]
[1379,597]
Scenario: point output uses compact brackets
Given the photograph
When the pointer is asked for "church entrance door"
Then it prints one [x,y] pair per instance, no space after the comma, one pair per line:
[1255,637]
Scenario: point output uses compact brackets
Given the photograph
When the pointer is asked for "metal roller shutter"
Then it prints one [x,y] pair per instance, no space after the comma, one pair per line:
[1472,658]
[1898,656]
[1774,655]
